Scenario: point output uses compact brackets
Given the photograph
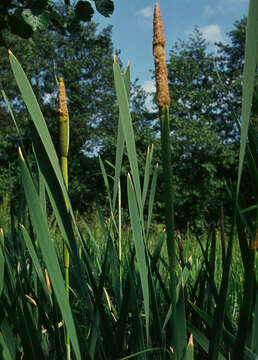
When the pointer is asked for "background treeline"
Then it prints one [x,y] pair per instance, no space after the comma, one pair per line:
[205,92]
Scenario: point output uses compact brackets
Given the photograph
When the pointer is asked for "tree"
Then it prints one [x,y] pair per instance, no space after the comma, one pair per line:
[84,60]
[24,17]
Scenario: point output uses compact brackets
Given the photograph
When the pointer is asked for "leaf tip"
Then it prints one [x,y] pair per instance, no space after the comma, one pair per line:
[48,283]
[190,342]
[20,153]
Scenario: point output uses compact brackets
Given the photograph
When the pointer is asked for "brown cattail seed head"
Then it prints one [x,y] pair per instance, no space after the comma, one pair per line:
[62,107]
[161,74]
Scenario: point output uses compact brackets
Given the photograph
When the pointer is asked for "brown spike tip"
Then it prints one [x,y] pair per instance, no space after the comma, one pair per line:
[161,75]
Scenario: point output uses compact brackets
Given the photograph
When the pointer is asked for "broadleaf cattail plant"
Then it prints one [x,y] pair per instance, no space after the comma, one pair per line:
[63,149]
[163,101]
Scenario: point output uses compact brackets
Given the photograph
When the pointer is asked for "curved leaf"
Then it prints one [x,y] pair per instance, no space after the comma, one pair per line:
[104,7]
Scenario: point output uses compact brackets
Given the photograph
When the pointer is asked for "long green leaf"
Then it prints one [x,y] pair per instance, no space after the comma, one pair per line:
[2,261]
[189,353]
[151,199]
[128,131]
[140,249]
[34,257]
[5,354]
[202,340]
[147,174]
[251,46]
[38,120]
[48,252]
[120,139]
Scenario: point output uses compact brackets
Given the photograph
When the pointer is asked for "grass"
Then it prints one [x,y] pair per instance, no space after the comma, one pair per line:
[133,292]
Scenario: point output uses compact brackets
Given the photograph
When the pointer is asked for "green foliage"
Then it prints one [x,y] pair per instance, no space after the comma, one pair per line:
[23,18]
[114,316]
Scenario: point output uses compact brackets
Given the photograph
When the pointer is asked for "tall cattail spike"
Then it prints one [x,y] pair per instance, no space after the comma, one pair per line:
[161,75]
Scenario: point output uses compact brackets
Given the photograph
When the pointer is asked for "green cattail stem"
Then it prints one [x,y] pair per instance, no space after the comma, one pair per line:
[64,146]
[169,213]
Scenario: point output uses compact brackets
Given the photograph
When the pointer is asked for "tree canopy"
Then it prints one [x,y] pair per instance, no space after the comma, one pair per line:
[24,17]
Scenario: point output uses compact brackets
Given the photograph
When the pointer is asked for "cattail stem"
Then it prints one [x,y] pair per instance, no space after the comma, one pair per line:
[169,213]
[163,101]
[64,146]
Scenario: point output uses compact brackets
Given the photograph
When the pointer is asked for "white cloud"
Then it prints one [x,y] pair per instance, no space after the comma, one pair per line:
[212,33]
[222,7]
[235,1]
[146,12]
[149,86]
[209,10]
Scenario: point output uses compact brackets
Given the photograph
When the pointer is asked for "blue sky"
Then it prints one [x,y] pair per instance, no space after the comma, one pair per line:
[132,27]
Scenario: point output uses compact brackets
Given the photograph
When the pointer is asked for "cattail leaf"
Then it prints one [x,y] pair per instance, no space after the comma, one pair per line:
[38,120]
[137,354]
[120,139]
[9,337]
[105,178]
[12,115]
[50,168]
[181,322]
[230,338]
[181,282]
[5,353]
[34,258]
[48,252]
[255,326]
[251,46]
[189,352]
[202,340]
[158,248]
[140,249]
[151,199]
[2,261]
[128,132]
[147,174]
[135,309]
